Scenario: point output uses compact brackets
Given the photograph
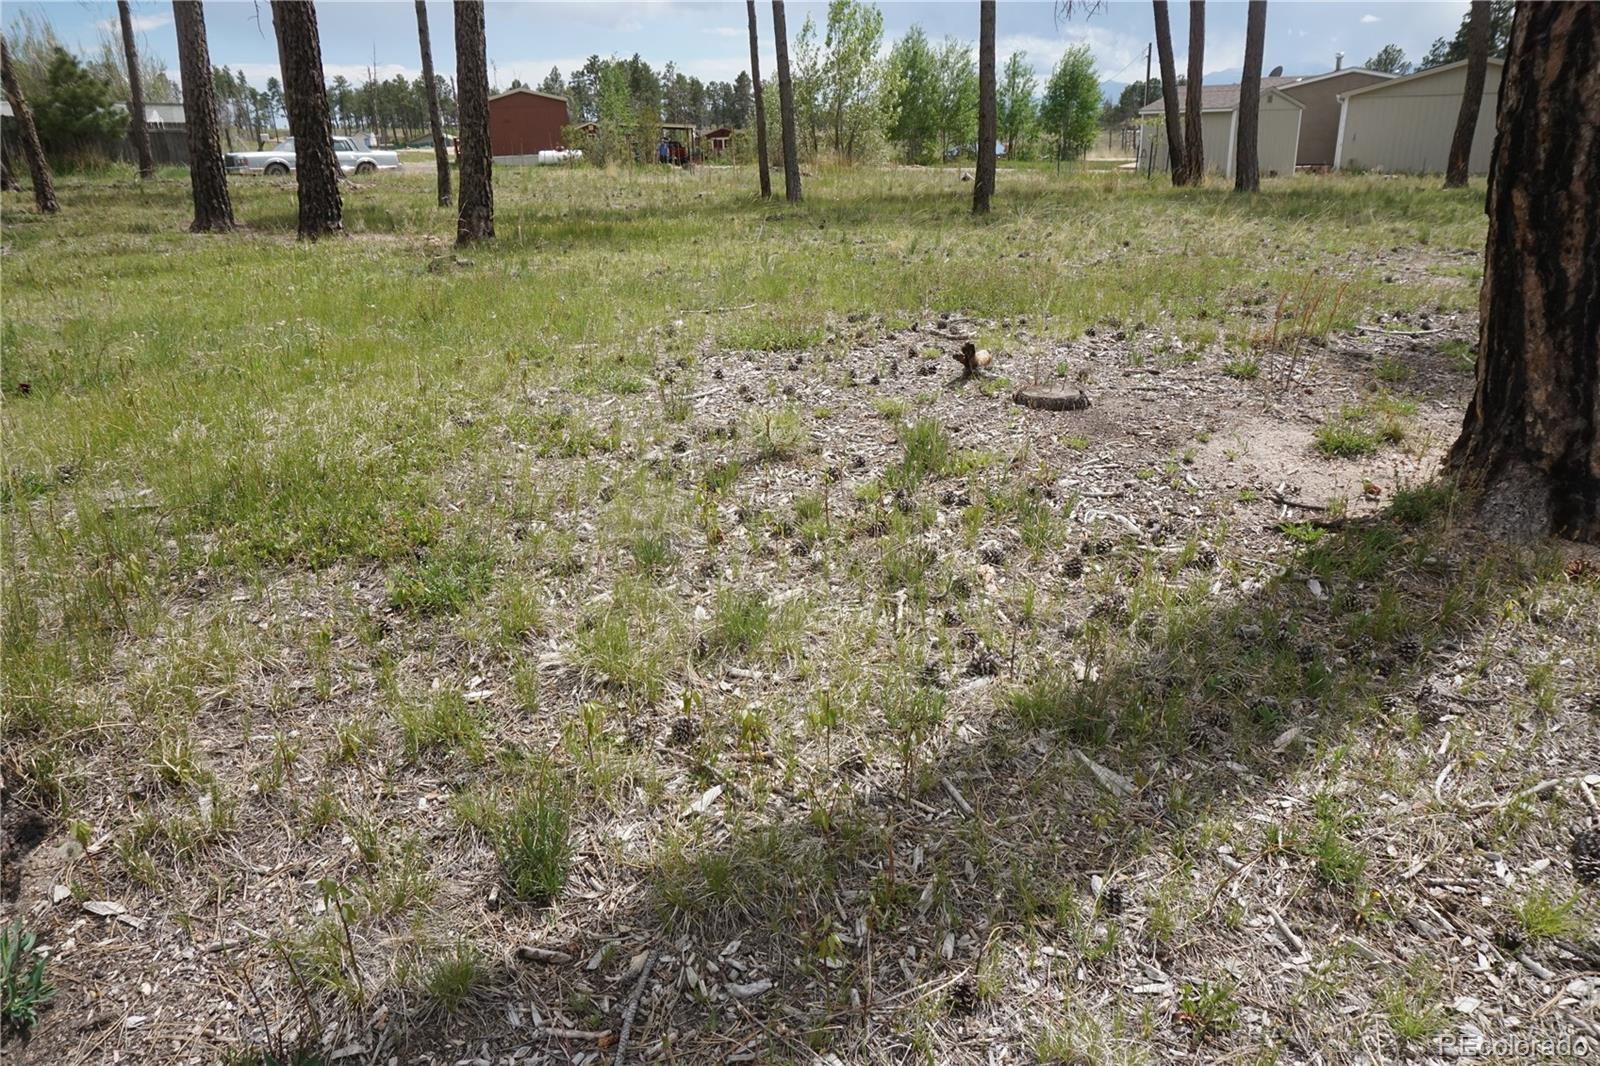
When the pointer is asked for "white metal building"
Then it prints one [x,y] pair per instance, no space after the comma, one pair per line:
[1405,125]
[1278,131]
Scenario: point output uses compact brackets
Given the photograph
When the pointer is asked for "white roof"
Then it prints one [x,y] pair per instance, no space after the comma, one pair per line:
[1430,72]
[1381,74]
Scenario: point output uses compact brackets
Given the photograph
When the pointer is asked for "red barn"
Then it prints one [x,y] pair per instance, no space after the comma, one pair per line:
[523,121]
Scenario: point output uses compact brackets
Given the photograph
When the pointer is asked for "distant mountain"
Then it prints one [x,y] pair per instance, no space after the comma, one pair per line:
[1112,90]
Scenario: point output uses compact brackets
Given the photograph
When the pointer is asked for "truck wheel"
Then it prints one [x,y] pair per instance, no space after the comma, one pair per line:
[366,166]
[275,170]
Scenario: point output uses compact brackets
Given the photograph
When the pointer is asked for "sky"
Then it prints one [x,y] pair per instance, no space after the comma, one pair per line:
[709,38]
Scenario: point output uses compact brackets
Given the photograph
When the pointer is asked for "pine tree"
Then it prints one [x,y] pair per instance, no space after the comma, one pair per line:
[1246,152]
[1177,161]
[316,166]
[988,132]
[44,189]
[791,153]
[475,222]
[139,130]
[764,175]
[441,152]
[208,180]
[1478,35]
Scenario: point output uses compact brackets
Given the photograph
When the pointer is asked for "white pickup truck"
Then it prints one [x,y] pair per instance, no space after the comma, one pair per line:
[280,160]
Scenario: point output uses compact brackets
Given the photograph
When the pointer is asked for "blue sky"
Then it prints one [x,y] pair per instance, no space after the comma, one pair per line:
[708,37]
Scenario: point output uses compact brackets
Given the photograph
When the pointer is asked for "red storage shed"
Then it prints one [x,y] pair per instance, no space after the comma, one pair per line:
[523,121]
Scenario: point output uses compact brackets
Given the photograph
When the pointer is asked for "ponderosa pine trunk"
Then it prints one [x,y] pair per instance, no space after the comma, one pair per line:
[988,116]
[1478,33]
[1246,150]
[475,222]
[1177,161]
[761,107]
[441,151]
[208,178]
[44,188]
[1530,444]
[305,98]
[791,157]
[1193,133]
[138,128]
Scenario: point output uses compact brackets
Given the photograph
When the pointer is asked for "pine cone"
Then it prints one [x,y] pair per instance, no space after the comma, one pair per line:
[1111,900]
[1410,649]
[1073,568]
[1103,546]
[984,663]
[800,548]
[1306,653]
[1586,856]
[684,731]
[1204,559]
[991,553]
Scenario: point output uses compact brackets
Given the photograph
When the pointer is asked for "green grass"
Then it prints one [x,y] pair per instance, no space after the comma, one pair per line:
[23,988]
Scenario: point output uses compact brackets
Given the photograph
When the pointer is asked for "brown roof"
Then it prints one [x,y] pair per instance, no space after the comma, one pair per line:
[1219,97]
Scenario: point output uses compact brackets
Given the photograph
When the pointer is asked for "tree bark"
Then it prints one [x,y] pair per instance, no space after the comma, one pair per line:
[475,222]
[208,180]
[1246,150]
[138,129]
[988,123]
[8,182]
[1530,443]
[791,156]
[1478,27]
[441,152]
[44,188]
[761,107]
[1193,133]
[305,98]
[1177,162]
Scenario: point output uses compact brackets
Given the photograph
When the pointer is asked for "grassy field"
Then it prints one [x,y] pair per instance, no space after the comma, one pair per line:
[452,655]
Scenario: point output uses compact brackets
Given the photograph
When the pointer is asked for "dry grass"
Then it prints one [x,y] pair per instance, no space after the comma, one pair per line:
[413,651]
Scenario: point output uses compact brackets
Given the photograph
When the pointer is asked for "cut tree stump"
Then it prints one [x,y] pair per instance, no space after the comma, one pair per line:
[1051,398]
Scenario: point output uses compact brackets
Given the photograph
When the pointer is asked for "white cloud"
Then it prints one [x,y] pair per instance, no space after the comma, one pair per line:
[1113,51]
[141,23]
[1370,18]
[728,31]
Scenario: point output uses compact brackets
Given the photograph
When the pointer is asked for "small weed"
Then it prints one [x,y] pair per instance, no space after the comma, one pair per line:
[1392,371]
[739,622]
[1208,1007]
[445,580]
[1245,368]
[23,989]
[1342,440]
[531,839]
[1542,916]
[453,978]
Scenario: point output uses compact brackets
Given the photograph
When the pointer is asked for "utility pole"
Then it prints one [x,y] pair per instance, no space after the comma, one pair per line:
[1144,92]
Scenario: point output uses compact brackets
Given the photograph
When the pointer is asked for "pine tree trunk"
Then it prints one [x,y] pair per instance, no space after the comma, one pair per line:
[44,189]
[1193,133]
[441,153]
[761,107]
[305,97]
[791,154]
[208,180]
[1531,439]
[1455,175]
[1177,162]
[138,129]
[1246,150]
[983,180]
[476,219]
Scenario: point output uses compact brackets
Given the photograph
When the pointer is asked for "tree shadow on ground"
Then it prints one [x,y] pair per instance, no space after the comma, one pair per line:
[1181,706]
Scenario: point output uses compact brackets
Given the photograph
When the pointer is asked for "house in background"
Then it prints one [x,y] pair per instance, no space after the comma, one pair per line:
[1319,121]
[1277,138]
[523,123]
[1405,125]
[166,124]
[718,142]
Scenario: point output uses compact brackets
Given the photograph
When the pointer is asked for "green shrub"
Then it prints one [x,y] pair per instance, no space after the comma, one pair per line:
[23,989]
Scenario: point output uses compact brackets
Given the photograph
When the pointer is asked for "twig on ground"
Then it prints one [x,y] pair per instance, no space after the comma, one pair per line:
[633,1006]
[1400,332]
[955,794]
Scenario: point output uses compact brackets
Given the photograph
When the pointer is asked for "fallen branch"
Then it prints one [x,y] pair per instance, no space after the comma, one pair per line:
[714,310]
[1400,332]
[553,1033]
[633,1006]
[1281,498]
[961,801]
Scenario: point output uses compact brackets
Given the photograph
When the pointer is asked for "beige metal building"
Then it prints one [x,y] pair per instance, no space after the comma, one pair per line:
[1319,122]
[1278,132]
[1405,125]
